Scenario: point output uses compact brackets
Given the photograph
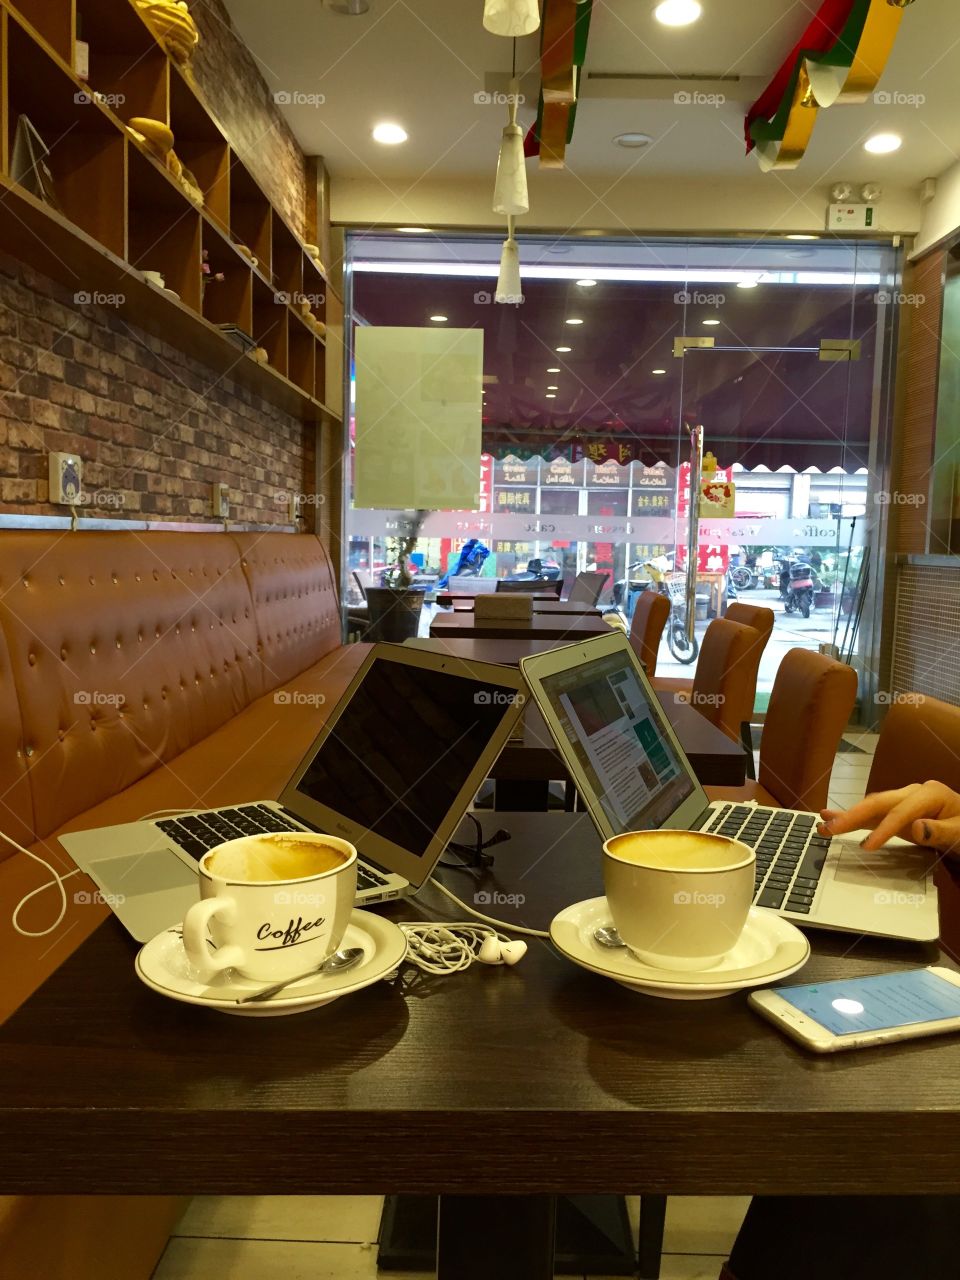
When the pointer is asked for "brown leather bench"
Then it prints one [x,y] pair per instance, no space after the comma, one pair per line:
[139,672]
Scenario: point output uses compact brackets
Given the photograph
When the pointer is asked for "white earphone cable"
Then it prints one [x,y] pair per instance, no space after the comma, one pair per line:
[57,880]
[497,924]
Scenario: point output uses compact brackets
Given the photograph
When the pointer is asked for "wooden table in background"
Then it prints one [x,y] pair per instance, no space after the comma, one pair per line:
[497,1089]
[572,607]
[562,628]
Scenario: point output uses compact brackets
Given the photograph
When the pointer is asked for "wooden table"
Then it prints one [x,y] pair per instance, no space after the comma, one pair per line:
[447,598]
[530,1082]
[571,607]
[562,628]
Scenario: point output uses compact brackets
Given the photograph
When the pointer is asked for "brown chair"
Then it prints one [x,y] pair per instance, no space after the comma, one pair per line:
[649,618]
[920,742]
[809,708]
[587,587]
[725,683]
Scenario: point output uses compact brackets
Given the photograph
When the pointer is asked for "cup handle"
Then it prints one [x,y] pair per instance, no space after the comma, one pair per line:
[195,936]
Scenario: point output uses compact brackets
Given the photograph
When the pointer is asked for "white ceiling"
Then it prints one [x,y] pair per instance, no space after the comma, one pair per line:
[420,62]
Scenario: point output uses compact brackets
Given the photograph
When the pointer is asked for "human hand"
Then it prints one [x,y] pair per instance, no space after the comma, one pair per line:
[927,813]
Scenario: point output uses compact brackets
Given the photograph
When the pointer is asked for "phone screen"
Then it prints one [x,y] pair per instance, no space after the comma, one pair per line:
[878,1003]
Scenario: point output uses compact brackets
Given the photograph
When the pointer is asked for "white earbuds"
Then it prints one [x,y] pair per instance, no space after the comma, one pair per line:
[493,951]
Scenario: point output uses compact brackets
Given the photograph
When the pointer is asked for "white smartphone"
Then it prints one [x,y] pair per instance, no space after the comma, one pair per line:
[854,1013]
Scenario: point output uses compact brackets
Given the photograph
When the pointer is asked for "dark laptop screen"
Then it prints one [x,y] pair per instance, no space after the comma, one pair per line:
[403,747]
[614,730]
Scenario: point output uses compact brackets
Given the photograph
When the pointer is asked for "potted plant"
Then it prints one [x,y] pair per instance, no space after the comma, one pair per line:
[395,605]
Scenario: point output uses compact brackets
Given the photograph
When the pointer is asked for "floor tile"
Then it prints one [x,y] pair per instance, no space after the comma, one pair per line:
[698,1224]
[199,1259]
[338,1219]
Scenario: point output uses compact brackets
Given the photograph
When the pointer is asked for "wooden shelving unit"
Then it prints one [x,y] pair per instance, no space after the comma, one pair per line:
[119,212]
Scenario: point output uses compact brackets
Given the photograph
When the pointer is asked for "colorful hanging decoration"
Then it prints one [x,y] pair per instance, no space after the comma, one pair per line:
[563,50]
[839,58]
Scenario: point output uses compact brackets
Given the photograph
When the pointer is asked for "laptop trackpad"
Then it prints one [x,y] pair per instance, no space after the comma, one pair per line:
[898,866]
[137,873]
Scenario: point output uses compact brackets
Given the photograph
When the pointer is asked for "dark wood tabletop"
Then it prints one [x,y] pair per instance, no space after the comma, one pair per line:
[541,626]
[538,1078]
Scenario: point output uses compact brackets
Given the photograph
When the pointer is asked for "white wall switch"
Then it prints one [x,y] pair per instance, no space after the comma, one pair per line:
[66,479]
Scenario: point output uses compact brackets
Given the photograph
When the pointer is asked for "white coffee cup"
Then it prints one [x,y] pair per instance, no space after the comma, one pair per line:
[274,906]
[679,899]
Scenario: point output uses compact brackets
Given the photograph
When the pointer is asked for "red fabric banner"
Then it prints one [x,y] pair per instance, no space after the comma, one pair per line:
[822,33]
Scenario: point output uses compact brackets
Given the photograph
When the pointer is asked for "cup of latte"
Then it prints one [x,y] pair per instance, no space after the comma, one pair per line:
[272,906]
[679,899]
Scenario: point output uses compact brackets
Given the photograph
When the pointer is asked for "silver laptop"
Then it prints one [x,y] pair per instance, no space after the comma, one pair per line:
[633,775]
[393,770]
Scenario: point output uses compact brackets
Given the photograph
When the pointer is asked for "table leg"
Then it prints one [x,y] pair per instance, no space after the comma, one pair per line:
[653,1213]
[510,1237]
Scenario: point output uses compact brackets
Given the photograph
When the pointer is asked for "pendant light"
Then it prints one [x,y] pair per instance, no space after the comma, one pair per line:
[510,190]
[509,285]
[511,17]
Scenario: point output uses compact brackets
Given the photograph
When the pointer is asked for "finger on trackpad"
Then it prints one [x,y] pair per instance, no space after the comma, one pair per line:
[138,873]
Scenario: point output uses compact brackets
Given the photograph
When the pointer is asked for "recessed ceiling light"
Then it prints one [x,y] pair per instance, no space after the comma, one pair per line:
[439,319]
[747,284]
[634,140]
[678,13]
[658,371]
[350,8]
[414,231]
[711,322]
[554,369]
[881,144]
[802,236]
[389,134]
[586,284]
[563,350]
[552,388]
[549,396]
[573,320]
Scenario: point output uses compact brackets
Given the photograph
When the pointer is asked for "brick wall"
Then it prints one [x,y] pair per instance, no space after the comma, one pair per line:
[237,94]
[152,434]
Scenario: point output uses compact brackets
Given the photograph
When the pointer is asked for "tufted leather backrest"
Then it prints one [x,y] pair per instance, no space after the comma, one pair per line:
[125,649]
[295,600]
[16,803]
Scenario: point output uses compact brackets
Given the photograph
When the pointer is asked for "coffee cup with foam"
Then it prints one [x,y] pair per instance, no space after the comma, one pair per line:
[679,899]
[271,906]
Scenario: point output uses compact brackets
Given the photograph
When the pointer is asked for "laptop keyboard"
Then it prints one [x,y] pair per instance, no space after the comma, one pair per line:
[195,833]
[790,854]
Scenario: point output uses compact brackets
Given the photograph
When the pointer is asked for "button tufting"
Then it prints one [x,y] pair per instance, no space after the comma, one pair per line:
[32,659]
[114,578]
[60,579]
[93,648]
[63,654]
[28,752]
[119,643]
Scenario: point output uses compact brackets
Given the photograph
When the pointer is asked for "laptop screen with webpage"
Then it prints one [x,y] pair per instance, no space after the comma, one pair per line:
[607,718]
[404,752]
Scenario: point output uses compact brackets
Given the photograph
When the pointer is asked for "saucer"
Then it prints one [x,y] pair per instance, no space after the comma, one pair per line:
[163,965]
[769,948]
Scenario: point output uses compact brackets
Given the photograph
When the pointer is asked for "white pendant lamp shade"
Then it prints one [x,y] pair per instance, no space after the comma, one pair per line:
[510,192]
[511,17]
[509,287]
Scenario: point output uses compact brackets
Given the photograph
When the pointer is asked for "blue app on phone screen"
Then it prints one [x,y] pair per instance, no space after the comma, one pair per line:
[887,1000]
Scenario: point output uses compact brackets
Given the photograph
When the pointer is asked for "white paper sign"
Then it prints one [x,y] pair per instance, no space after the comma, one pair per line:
[418,398]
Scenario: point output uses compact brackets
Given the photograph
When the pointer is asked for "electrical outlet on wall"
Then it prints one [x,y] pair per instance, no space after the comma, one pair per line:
[66,479]
[221,501]
[294,508]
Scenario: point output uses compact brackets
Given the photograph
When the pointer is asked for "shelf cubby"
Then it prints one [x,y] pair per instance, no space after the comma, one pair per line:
[303,354]
[315,287]
[55,22]
[202,148]
[287,263]
[126,63]
[320,376]
[271,321]
[164,228]
[229,301]
[86,150]
[251,217]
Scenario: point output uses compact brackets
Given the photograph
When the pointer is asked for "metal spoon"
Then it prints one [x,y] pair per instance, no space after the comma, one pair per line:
[607,936]
[336,963]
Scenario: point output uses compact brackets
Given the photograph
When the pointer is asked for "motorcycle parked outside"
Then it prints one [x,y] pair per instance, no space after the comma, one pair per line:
[536,571]
[469,564]
[742,576]
[799,588]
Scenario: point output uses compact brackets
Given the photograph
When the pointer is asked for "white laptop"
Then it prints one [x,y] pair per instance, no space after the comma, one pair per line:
[633,775]
[393,770]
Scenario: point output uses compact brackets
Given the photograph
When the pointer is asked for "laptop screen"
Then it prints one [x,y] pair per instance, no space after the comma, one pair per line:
[403,747]
[615,732]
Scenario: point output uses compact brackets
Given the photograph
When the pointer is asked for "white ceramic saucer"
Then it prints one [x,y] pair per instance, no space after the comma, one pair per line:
[769,948]
[163,965]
